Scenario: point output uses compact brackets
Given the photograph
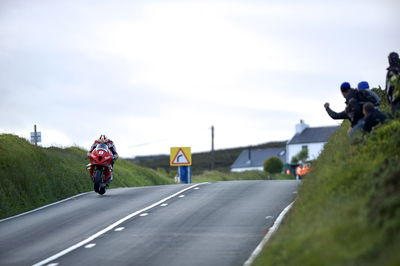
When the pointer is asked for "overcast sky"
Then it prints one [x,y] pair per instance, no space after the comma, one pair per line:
[156,74]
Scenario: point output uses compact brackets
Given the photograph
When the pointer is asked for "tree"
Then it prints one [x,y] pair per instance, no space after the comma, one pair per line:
[300,156]
[273,165]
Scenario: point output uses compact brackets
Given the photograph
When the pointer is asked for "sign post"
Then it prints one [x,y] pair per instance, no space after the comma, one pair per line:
[182,157]
[36,136]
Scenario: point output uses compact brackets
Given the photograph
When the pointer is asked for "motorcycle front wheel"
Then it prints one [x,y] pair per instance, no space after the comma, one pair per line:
[98,175]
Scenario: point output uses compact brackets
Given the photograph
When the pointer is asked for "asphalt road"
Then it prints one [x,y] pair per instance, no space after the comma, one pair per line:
[208,224]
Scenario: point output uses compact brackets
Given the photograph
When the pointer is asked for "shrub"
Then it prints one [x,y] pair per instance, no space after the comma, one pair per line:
[273,165]
[300,156]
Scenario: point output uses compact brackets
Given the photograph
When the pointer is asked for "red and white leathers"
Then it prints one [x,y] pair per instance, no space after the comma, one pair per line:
[109,144]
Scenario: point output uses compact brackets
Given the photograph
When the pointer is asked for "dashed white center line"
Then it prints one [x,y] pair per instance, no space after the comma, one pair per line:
[144,214]
[196,188]
[119,229]
[90,245]
[110,227]
[164,204]
[52,264]
[181,196]
[269,217]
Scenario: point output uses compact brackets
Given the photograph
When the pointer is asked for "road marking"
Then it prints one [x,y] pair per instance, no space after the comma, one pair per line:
[90,245]
[144,214]
[182,196]
[269,217]
[110,227]
[119,229]
[271,231]
[196,188]
[164,204]
[52,264]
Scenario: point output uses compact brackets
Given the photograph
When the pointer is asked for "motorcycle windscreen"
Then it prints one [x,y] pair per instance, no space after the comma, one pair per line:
[102,146]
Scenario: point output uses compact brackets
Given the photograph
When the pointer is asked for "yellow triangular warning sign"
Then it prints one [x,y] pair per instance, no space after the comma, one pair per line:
[180,156]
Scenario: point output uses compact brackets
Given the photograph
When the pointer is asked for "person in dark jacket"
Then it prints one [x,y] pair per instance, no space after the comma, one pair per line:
[353,110]
[373,116]
[392,83]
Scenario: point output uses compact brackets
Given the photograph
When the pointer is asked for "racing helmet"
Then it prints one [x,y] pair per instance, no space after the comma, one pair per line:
[103,139]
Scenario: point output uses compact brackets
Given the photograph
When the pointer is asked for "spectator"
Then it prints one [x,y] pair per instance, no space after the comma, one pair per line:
[302,170]
[299,172]
[353,111]
[392,88]
[366,94]
[373,117]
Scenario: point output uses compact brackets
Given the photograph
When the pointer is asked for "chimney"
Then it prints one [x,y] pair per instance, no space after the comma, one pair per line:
[300,127]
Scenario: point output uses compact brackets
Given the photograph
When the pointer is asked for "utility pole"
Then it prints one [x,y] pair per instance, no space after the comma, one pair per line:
[35,135]
[212,148]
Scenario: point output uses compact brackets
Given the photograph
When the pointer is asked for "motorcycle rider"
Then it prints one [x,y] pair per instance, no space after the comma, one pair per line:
[110,145]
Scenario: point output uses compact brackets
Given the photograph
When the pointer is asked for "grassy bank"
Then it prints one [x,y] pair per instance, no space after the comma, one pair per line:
[348,208]
[213,176]
[33,176]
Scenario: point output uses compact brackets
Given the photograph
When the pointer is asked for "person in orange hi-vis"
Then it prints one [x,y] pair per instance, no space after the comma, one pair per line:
[301,171]
[306,169]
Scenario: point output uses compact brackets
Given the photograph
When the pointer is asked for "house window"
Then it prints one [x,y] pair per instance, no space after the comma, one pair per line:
[304,147]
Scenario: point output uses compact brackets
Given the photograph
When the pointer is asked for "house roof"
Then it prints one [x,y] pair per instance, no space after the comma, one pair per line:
[313,135]
[258,157]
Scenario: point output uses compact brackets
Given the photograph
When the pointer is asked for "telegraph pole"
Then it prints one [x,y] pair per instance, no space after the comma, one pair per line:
[35,135]
[212,148]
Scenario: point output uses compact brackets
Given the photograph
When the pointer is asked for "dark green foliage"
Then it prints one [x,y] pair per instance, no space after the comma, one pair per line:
[348,208]
[273,165]
[32,176]
[384,106]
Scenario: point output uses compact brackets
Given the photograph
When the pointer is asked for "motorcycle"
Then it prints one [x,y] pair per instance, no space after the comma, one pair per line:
[100,167]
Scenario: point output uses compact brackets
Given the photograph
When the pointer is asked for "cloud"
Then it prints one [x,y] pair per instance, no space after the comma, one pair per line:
[161,73]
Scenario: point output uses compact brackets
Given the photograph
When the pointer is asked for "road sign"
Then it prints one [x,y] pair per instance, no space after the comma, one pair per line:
[180,156]
[38,137]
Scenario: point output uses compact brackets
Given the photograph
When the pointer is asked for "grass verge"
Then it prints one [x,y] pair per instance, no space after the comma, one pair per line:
[348,208]
[33,176]
[213,176]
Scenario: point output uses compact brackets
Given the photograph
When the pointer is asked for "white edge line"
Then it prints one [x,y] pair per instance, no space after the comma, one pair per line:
[110,227]
[43,207]
[271,231]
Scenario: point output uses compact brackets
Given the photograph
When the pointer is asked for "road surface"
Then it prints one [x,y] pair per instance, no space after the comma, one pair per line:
[202,224]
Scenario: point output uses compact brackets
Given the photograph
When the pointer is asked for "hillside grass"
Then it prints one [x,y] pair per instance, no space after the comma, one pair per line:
[32,176]
[348,207]
[214,176]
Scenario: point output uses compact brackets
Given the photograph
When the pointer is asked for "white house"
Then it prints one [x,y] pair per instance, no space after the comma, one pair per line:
[306,137]
[253,159]
[310,138]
